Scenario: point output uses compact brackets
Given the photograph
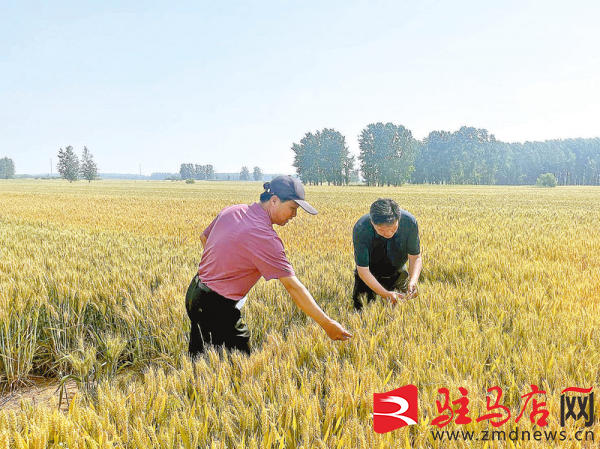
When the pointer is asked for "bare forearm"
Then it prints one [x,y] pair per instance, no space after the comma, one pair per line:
[307,304]
[414,268]
[368,278]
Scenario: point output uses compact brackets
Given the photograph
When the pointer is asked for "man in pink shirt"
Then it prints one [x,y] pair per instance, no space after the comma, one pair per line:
[240,246]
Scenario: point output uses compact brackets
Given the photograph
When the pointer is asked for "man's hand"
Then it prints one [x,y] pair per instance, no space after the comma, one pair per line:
[336,331]
[412,291]
[394,297]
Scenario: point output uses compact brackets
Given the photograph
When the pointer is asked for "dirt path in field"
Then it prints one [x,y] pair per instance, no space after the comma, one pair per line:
[42,391]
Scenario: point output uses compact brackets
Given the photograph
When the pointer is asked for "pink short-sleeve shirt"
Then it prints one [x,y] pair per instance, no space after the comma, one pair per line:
[241,247]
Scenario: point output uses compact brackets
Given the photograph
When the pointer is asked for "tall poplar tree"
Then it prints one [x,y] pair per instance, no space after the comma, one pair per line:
[7,168]
[89,170]
[68,164]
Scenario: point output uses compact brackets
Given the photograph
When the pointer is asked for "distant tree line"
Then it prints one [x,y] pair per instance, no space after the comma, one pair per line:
[7,168]
[473,156]
[206,172]
[195,171]
[389,155]
[162,176]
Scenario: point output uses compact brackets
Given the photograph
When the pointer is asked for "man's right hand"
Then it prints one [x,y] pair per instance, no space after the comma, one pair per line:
[395,297]
[336,331]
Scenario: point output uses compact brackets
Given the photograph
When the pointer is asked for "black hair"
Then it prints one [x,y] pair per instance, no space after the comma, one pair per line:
[385,211]
[266,195]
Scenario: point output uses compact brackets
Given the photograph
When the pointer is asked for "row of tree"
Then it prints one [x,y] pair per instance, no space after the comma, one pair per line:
[389,155]
[71,169]
[203,172]
[7,168]
[195,171]
[473,156]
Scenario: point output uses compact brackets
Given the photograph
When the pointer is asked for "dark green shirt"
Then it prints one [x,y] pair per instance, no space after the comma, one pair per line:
[385,257]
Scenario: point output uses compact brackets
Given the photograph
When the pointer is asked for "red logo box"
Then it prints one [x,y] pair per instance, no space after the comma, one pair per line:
[395,409]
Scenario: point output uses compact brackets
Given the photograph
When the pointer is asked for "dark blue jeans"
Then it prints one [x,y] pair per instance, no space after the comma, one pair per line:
[215,320]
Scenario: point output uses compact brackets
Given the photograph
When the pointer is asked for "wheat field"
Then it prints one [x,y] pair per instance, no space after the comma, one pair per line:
[92,285]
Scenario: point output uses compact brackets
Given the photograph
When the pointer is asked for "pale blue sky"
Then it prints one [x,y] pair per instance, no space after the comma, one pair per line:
[236,83]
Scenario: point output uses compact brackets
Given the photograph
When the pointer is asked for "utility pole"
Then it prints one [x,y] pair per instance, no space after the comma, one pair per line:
[51,167]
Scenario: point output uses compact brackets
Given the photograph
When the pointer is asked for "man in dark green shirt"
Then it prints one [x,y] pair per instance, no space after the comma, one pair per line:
[384,240]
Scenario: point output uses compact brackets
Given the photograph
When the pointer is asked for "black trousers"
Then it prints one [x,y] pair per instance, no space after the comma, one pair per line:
[396,282]
[215,320]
